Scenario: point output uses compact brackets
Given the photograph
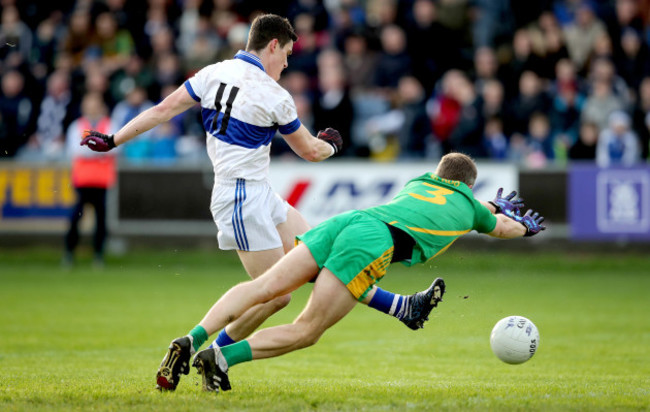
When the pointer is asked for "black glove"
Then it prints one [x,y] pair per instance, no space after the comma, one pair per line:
[333,137]
[97,142]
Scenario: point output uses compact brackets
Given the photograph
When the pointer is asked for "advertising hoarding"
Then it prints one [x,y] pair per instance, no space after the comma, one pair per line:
[322,190]
[34,198]
[175,201]
[609,203]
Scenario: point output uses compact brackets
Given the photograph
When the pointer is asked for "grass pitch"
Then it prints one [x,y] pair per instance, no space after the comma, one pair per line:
[88,339]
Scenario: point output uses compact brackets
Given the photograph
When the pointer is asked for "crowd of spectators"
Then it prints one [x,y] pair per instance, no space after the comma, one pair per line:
[537,82]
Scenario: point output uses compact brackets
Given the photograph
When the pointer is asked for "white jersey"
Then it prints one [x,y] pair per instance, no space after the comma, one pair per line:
[242,108]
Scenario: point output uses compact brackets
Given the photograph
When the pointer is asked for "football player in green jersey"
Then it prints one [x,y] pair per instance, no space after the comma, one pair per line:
[349,253]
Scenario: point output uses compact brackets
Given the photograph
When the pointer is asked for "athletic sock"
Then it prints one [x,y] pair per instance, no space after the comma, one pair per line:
[389,303]
[237,353]
[199,335]
[222,339]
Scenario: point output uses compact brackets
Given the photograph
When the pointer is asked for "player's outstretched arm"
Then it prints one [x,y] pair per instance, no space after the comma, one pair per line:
[507,228]
[176,103]
[314,148]
[529,224]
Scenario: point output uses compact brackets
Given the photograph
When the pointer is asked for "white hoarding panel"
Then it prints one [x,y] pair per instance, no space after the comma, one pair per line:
[321,190]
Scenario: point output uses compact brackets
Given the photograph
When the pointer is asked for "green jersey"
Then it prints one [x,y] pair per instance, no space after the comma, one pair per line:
[434,212]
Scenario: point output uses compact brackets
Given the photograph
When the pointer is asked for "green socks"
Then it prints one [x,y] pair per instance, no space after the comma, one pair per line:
[199,336]
[237,353]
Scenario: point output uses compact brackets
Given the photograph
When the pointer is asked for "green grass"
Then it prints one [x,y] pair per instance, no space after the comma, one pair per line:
[87,339]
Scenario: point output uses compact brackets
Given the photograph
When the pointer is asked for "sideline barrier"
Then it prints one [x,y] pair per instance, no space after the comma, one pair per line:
[173,200]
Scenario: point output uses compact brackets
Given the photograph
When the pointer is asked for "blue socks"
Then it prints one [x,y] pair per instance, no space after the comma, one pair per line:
[389,303]
[222,340]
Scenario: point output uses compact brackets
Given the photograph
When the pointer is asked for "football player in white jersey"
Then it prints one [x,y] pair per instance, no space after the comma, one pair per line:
[242,108]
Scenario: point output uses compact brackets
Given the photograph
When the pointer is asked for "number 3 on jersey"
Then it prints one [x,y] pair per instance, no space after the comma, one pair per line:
[438,194]
[217,105]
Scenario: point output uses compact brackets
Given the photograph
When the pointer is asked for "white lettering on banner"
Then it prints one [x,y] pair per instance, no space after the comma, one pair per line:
[322,190]
[623,201]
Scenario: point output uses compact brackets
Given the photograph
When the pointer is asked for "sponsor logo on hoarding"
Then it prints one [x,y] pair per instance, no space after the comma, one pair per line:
[623,201]
[338,195]
[35,193]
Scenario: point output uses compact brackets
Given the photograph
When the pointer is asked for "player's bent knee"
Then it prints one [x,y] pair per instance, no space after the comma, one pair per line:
[307,339]
[309,335]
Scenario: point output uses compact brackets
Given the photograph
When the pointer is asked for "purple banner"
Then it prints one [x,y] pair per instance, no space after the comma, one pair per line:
[609,203]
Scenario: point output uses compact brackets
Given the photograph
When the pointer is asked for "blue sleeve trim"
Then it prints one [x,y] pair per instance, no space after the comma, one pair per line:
[188,86]
[290,127]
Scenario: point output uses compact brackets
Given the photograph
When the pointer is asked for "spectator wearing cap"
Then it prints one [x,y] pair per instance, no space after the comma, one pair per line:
[618,144]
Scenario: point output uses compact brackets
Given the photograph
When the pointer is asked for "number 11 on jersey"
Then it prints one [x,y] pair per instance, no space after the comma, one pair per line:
[217,105]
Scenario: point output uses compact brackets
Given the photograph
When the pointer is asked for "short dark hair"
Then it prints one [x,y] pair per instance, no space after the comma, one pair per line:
[267,27]
[457,166]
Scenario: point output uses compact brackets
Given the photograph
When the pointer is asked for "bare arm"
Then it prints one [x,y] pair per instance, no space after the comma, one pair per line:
[507,228]
[307,146]
[176,103]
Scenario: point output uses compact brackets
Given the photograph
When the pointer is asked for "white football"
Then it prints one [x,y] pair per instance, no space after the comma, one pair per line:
[514,339]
